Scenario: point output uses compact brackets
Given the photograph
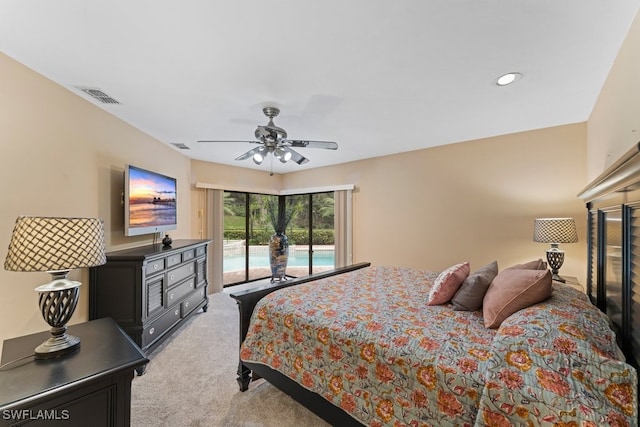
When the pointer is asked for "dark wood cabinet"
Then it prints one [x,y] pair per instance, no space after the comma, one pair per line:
[89,387]
[149,291]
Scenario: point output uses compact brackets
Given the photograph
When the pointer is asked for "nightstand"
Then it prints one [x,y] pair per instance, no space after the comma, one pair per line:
[573,282]
[91,386]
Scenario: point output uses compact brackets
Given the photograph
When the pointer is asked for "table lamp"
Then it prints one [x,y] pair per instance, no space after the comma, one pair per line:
[56,245]
[555,231]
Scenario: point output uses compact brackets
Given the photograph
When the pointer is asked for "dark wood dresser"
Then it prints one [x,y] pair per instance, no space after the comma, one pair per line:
[151,290]
[90,387]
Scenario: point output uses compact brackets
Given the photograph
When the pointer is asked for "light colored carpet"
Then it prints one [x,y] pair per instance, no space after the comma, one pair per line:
[191,380]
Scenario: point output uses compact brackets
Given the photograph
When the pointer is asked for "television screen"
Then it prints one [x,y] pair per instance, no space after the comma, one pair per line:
[149,202]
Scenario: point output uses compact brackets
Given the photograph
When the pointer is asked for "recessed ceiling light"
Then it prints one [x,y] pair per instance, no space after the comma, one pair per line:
[508,79]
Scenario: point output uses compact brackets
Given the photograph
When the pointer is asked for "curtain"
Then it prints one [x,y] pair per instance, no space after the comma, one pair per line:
[213,229]
[343,224]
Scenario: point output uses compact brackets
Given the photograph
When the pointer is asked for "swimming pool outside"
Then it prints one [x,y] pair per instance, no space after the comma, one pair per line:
[298,257]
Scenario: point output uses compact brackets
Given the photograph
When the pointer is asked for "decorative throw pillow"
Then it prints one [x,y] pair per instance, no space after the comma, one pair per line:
[537,264]
[513,290]
[447,283]
[471,293]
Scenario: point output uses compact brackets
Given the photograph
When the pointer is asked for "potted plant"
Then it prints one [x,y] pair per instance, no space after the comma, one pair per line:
[280,214]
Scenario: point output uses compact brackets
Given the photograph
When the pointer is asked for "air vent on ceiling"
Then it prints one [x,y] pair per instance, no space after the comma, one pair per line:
[180,145]
[99,95]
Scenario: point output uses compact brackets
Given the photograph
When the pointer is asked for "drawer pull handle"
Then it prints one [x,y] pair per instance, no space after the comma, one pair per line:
[151,331]
[170,296]
[186,304]
[171,277]
[175,313]
[155,266]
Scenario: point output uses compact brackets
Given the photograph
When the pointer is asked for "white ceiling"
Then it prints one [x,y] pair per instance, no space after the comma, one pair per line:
[378,77]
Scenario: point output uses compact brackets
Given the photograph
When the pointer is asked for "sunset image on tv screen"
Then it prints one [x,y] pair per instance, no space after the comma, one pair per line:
[152,199]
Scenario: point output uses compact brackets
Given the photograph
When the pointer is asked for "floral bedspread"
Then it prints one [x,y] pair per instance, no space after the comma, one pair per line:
[368,343]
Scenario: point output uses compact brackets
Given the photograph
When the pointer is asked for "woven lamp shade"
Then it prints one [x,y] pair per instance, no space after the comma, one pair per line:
[555,230]
[55,244]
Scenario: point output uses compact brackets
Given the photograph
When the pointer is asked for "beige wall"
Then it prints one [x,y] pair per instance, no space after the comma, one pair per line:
[614,125]
[63,156]
[472,201]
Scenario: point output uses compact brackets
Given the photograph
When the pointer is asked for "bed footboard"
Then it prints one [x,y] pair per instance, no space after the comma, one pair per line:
[248,299]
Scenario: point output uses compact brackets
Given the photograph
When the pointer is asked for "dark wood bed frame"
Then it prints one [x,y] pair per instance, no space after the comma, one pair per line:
[613,237]
[616,190]
[248,372]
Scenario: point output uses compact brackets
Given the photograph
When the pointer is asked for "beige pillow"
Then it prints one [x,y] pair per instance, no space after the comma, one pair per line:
[447,283]
[513,290]
[470,295]
[537,264]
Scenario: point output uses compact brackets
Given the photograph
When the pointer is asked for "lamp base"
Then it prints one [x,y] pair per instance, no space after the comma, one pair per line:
[558,278]
[57,346]
[57,301]
[555,259]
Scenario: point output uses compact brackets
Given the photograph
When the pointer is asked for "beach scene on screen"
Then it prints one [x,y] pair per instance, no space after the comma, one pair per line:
[152,199]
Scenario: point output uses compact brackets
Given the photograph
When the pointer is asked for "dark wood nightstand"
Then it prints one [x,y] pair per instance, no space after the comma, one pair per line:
[89,387]
[573,282]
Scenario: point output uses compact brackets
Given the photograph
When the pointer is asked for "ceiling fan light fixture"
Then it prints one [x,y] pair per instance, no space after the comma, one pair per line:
[258,158]
[282,154]
[273,140]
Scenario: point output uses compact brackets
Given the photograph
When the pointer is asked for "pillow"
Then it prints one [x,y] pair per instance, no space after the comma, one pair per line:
[513,290]
[447,283]
[531,265]
[469,296]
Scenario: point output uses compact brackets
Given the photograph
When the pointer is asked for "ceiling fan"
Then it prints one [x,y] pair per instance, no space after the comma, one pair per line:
[273,140]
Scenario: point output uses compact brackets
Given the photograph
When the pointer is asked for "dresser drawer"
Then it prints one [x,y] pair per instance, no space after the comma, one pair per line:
[201,251]
[174,259]
[155,266]
[156,329]
[192,302]
[176,293]
[179,274]
[187,255]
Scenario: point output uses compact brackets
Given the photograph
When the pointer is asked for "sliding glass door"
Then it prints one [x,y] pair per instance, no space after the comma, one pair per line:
[298,234]
[322,232]
[312,233]
[247,231]
[248,226]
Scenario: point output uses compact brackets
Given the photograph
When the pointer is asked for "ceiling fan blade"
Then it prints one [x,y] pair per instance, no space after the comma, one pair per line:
[250,153]
[327,145]
[297,157]
[206,140]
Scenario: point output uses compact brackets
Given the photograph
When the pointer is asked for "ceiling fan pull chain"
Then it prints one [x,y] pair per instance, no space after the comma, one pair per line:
[271,171]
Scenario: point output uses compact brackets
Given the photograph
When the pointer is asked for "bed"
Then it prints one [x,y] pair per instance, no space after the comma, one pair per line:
[359,345]
[362,345]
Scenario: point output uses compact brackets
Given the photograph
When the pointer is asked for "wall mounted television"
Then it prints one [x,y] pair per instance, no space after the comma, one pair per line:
[149,202]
